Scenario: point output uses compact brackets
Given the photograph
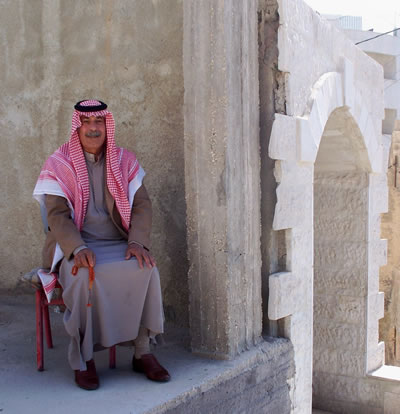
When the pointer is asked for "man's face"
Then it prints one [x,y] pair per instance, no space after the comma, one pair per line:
[92,134]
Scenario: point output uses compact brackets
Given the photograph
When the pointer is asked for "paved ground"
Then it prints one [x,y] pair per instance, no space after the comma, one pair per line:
[24,389]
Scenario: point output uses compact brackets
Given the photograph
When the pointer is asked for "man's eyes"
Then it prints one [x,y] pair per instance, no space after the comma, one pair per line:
[87,121]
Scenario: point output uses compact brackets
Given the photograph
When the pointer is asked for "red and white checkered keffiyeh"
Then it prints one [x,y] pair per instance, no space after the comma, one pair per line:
[67,166]
[65,174]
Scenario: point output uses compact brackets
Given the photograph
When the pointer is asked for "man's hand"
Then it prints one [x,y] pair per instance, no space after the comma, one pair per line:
[85,258]
[141,254]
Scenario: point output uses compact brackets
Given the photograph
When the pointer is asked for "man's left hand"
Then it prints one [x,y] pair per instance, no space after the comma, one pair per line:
[141,254]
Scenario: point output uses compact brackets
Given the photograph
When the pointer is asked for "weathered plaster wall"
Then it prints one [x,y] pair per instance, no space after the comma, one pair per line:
[222,175]
[127,53]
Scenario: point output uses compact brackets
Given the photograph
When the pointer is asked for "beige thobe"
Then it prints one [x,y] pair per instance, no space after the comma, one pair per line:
[123,296]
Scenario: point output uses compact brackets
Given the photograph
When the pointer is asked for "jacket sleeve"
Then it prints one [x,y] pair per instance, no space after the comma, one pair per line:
[61,224]
[141,218]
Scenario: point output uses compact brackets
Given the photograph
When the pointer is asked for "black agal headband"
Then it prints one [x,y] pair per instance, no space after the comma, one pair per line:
[91,108]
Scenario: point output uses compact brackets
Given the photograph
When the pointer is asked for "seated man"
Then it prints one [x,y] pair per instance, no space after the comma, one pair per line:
[99,216]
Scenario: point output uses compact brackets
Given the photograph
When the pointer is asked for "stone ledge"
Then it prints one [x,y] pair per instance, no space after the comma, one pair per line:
[256,381]
[387,373]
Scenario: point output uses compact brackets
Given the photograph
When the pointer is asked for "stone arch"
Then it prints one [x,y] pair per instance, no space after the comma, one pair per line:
[294,144]
[332,90]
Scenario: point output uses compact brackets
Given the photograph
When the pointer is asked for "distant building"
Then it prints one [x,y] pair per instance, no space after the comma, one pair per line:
[386,51]
[344,22]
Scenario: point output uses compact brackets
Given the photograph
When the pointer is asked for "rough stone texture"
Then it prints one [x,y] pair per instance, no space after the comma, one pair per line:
[262,386]
[391,403]
[222,174]
[281,302]
[377,393]
[272,101]
[130,55]
[340,243]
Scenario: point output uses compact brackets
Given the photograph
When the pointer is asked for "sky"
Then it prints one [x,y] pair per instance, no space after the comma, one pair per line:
[382,15]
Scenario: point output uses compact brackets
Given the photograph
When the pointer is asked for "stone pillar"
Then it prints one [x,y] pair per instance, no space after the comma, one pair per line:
[222,174]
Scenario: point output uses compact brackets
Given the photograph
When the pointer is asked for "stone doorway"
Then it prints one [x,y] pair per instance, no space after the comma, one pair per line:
[341,237]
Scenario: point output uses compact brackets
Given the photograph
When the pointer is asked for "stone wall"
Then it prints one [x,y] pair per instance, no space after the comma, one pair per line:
[386,51]
[389,327]
[262,384]
[341,202]
[322,71]
[127,53]
[340,265]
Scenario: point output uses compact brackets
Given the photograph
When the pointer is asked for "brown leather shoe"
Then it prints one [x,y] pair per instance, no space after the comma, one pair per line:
[149,365]
[88,380]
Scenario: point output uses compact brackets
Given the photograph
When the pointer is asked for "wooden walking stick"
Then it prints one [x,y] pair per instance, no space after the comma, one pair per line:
[91,280]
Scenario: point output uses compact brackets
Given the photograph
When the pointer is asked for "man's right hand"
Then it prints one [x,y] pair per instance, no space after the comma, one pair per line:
[85,258]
